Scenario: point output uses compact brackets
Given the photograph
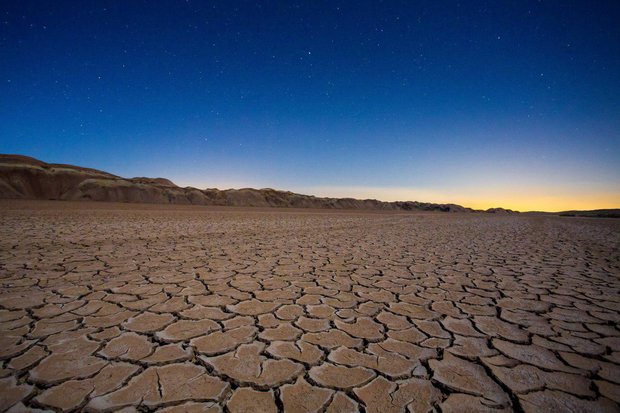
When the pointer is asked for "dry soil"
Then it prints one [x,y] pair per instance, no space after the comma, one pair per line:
[107,307]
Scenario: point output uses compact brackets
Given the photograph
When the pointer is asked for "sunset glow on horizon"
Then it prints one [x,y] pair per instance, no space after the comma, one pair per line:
[536,200]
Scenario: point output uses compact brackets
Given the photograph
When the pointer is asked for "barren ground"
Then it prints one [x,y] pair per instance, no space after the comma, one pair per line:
[108,307]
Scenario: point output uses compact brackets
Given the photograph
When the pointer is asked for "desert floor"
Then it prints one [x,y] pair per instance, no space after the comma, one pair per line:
[137,307]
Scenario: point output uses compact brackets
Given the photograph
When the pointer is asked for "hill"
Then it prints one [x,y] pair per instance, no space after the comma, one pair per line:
[23,177]
[596,213]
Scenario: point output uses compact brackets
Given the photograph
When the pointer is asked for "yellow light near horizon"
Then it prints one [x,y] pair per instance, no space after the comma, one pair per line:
[517,199]
[547,203]
[539,205]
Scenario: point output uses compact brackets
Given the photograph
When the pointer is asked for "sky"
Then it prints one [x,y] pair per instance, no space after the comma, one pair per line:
[481,103]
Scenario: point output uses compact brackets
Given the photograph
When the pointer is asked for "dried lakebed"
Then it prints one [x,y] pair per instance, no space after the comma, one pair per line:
[109,307]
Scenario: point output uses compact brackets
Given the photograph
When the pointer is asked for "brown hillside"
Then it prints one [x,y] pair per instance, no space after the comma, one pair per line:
[23,177]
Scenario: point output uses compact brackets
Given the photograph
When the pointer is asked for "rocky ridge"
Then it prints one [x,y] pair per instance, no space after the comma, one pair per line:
[23,177]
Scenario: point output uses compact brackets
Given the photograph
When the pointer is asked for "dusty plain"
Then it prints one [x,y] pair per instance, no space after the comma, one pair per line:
[108,307]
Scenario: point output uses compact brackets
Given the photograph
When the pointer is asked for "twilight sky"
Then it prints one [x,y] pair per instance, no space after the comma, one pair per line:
[481,103]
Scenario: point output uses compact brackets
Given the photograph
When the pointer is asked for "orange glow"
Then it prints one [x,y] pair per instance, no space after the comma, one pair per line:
[518,199]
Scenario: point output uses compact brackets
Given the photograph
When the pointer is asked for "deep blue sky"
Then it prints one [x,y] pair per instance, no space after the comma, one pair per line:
[477,102]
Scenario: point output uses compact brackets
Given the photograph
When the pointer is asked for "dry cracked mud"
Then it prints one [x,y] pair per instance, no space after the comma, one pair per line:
[111,307]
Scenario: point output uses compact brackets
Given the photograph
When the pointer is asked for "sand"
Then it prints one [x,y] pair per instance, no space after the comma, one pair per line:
[109,306]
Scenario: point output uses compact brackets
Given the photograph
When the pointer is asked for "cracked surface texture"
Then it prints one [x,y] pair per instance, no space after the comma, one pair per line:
[109,307]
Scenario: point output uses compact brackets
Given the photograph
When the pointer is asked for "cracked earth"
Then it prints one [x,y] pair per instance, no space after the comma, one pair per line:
[107,307]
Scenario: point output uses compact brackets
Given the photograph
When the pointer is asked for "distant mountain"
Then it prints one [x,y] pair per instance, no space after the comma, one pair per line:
[596,213]
[23,177]
[501,211]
